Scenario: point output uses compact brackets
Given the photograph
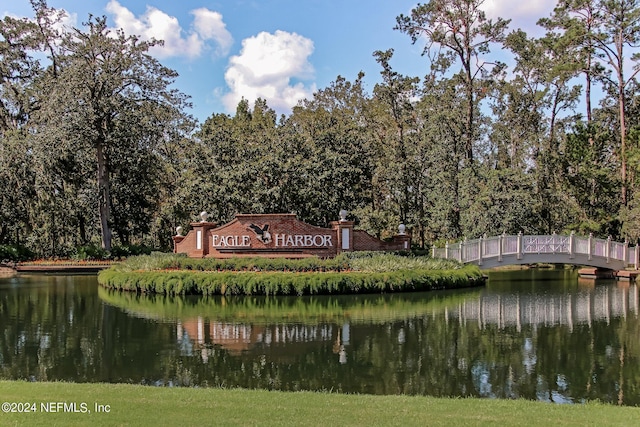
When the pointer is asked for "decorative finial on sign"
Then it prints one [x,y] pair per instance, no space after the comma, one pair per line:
[401,229]
[204,215]
[343,214]
[178,231]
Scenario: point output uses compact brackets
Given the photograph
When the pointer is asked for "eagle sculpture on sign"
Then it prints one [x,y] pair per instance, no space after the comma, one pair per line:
[262,233]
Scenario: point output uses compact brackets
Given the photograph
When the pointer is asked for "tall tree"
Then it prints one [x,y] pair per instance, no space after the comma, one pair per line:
[457,30]
[330,137]
[17,178]
[591,180]
[600,33]
[107,94]
[20,42]
[573,25]
[397,125]
[543,81]
[440,152]
[240,164]
[618,30]
[18,71]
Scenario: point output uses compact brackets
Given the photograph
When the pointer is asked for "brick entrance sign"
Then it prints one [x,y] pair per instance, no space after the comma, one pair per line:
[279,235]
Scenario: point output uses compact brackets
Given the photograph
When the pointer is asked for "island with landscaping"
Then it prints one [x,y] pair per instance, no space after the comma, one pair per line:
[348,273]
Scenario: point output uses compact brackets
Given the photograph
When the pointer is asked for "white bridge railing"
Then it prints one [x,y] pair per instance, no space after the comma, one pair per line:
[523,249]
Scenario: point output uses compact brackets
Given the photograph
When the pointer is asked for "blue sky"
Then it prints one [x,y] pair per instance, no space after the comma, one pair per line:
[281,50]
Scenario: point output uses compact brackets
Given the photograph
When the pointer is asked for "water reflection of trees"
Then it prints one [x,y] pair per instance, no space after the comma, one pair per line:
[524,347]
[60,330]
[44,330]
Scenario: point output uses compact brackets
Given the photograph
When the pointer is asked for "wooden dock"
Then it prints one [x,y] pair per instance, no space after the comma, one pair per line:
[61,268]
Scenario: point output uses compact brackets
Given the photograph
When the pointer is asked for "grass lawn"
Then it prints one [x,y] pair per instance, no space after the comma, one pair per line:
[132,405]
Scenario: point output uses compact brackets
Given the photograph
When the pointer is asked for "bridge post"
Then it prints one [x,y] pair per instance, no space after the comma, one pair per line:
[589,245]
[625,250]
[636,257]
[500,243]
[572,238]
[480,250]
[446,250]
[519,253]
[608,250]
[460,257]
[433,251]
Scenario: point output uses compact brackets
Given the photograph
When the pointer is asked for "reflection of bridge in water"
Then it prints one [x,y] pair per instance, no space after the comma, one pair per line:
[604,303]
[491,252]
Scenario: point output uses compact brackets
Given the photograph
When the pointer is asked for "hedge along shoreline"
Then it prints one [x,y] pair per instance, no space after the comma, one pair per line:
[181,282]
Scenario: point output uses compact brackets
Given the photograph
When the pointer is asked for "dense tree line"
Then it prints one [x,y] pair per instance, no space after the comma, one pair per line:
[97,148]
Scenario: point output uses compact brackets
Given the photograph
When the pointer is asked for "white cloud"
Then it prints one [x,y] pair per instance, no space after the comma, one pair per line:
[154,23]
[515,10]
[523,14]
[209,26]
[265,68]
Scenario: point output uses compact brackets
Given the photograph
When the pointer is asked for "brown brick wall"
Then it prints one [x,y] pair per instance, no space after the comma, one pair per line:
[287,237]
[363,241]
[188,244]
[286,233]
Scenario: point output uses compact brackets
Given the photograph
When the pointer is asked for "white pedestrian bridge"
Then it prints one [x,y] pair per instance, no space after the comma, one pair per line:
[491,252]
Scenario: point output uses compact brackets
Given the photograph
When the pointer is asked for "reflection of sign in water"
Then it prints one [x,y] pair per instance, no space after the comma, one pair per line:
[239,337]
[242,336]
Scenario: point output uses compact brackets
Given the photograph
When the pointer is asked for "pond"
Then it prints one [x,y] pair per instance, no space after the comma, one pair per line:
[534,334]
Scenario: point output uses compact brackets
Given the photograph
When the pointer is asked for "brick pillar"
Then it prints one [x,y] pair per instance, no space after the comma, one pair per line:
[402,242]
[344,232]
[202,238]
[176,241]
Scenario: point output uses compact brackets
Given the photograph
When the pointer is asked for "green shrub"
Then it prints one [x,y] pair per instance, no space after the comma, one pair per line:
[15,253]
[90,252]
[359,261]
[125,251]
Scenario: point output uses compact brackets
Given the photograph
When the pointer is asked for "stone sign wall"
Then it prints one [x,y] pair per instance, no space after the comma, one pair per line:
[278,235]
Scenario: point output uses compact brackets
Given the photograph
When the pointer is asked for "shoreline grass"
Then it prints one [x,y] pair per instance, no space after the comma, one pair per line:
[136,405]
